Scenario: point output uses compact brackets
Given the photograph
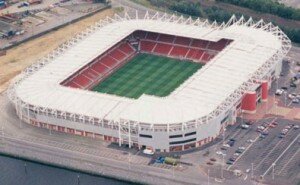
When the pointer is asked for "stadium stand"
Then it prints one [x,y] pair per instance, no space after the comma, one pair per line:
[101,66]
[182,41]
[166,38]
[199,43]
[152,36]
[147,46]
[140,34]
[179,51]
[217,46]
[148,42]
[162,48]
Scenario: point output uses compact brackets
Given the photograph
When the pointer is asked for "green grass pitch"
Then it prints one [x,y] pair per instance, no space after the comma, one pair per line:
[148,74]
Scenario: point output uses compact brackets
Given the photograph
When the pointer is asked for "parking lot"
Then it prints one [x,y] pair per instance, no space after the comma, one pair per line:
[252,152]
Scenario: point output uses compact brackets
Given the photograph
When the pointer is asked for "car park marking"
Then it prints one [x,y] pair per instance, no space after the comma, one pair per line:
[288,161]
[228,168]
[281,154]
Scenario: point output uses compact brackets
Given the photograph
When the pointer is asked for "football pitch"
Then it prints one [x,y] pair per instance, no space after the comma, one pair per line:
[148,74]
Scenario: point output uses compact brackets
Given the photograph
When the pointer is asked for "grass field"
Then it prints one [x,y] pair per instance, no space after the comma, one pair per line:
[148,74]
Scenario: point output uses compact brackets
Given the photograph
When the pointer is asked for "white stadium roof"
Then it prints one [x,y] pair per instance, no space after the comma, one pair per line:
[254,44]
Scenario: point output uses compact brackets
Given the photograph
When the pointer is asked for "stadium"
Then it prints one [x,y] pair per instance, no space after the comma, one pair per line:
[156,81]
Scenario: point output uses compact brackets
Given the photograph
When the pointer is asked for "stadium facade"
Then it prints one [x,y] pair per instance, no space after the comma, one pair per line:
[241,58]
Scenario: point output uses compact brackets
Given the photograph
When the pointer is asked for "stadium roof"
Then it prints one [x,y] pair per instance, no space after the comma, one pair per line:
[203,93]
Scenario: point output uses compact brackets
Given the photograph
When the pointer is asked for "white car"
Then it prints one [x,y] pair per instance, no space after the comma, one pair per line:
[279,92]
[242,148]
[245,126]
[226,145]
[250,141]
[220,153]
[295,100]
[236,154]
[261,127]
[148,152]
[291,96]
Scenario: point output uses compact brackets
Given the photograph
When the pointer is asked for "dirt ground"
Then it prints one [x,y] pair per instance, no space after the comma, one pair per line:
[18,58]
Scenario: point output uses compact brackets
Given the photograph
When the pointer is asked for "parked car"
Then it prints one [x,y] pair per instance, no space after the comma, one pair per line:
[295,100]
[232,158]
[220,153]
[279,92]
[291,96]
[231,143]
[284,87]
[281,135]
[229,162]
[265,133]
[239,151]
[250,141]
[296,127]
[148,152]
[226,145]
[223,148]
[160,160]
[262,136]
[293,85]
[249,122]
[242,148]
[244,126]
[288,127]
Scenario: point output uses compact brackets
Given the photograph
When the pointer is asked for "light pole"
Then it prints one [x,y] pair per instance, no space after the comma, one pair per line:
[208,177]
[222,167]
[251,170]
[173,169]
[129,160]
[273,170]
[285,98]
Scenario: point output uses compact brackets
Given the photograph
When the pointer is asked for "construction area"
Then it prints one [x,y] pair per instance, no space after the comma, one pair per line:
[18,58]
[21,21]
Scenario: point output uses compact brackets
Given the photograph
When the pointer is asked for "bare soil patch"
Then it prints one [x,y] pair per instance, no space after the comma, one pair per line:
[18,58]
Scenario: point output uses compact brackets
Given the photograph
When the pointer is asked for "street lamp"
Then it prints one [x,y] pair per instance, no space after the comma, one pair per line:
[273,170]
[251,170]
[222,168]
[208,177]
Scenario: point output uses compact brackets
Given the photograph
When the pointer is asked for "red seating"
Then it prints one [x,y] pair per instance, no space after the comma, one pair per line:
[199,43]
[81,80]
[126,48]
[147,46]
[163,48]
[166,38]
[72,84]
[117,54]
[90,73]
[179,51]
[205,57]
[218,46]
[139,34]
[194,54]
[182,41]
[99,68]
[109,61]
[152,36]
